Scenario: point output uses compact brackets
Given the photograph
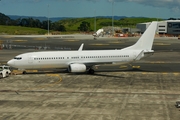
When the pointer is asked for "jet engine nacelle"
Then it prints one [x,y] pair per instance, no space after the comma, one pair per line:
[77,68]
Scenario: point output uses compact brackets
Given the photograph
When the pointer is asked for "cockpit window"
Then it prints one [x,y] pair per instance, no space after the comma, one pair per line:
[18,58]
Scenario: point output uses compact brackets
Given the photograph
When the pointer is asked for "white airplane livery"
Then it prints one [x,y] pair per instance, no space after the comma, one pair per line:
[85,60]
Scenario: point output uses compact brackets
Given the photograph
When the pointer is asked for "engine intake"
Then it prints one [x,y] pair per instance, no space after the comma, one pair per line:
[77,68]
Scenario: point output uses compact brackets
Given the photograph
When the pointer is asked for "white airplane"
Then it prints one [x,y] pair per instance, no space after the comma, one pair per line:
[98,33]
[85,60]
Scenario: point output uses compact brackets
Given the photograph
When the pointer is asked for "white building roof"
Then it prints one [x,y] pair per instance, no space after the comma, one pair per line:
[162,21]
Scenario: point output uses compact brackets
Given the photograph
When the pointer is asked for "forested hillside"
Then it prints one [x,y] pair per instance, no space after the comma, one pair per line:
[66,25]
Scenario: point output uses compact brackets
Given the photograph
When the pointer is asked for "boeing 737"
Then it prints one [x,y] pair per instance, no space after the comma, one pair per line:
[85,60]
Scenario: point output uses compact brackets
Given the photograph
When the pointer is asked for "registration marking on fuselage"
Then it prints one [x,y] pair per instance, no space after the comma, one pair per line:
[71,40]
[19,40]
[115,42]
[161,44]
[98,44]
[39,39]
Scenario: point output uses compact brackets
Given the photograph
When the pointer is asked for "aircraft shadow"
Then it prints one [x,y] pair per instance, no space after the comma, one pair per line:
[65,71]
[103,73]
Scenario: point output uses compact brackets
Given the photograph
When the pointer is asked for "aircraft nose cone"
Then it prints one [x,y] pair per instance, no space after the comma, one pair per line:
[10,63]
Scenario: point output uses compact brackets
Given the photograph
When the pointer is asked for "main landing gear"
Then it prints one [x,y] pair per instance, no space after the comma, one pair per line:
[91,71]
[24,72]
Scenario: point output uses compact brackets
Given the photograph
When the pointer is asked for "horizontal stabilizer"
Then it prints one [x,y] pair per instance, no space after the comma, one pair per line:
[141,54]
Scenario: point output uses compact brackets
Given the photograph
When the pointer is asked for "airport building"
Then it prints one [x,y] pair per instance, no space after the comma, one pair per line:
[168,27]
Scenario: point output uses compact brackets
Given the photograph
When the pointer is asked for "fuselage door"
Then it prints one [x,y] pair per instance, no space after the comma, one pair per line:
[30,59]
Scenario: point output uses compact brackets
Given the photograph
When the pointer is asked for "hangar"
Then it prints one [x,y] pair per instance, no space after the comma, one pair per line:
[168,27]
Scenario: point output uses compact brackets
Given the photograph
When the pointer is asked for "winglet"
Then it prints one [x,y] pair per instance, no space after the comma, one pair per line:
[81,47]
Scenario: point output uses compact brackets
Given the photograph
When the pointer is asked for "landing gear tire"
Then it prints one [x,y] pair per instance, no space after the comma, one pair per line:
[91,71]
[7,74]
[24,72]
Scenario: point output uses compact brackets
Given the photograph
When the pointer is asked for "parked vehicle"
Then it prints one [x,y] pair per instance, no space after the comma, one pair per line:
[178,104]
[4,71]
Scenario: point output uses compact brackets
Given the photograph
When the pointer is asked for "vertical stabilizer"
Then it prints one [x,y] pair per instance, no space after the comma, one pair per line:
[145,42]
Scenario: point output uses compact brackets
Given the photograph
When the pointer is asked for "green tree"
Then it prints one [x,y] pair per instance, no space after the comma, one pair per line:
[24,22]
[37,23]
[16,22]
[84,26]
[61,28]
[4,20]
[57,26]
[44,25]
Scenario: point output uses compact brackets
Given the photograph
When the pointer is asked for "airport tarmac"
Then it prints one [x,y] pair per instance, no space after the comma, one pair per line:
[103,96]
[58,43]
[145,90]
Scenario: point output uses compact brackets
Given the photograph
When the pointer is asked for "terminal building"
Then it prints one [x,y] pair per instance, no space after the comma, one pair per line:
[168,27]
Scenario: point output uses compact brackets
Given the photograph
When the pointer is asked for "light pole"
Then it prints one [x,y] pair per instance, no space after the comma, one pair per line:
[113,18]
[48,19]
[157,13]
[94,21]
